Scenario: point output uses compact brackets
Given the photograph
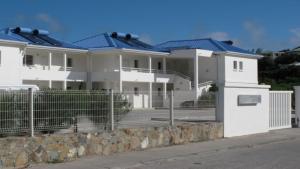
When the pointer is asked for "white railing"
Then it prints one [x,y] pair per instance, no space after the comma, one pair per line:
[36,67]
[46,67]
[280,109]
[130,69]
[145,70]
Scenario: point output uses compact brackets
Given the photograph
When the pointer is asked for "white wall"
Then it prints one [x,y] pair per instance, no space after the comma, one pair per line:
[142,99]
[105,63]
[11,65]
[243,119]
[247,75]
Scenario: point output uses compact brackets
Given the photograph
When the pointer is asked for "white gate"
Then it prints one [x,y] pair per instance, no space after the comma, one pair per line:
[280,109]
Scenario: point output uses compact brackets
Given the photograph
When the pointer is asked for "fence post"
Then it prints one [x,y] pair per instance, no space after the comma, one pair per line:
[171,108]
[112,110]
[30,112]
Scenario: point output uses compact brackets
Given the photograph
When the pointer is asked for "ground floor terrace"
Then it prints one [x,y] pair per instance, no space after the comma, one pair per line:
[141,95]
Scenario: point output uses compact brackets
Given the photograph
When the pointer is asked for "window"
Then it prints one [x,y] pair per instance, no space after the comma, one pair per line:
[235,65]
[241,66]
[136,64]
[159,91]
[136,91]
[69,62]
[159,65]
[28,60]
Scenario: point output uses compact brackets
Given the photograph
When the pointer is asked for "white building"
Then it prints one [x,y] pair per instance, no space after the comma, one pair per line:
[123,63]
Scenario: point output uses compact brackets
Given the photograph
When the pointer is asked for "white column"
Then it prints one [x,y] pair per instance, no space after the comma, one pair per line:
[89,74]
[120,62]
[164,93]
[49,60]
[150,94]
[64,85]
[50,84]
[120,70]
[196,80]
[164,65]
[65,61]
[150,64]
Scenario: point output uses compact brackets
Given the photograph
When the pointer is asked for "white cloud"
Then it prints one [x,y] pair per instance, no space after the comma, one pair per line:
[146,38]
[52,23]
[295,39]
[219,35]
[255,30]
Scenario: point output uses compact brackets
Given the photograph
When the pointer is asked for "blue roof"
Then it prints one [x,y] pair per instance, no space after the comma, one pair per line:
[42,39]
[206,44]
[7,37]
[107,40]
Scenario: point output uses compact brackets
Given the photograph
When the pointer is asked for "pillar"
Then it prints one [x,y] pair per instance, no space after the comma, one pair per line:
[65,61]
[49,60]
[120,70]
[120,62]
[150,94]
[89,80]
[64,85]
[150,64]
[50,84]
[164,93]
[196,77]
[164,65]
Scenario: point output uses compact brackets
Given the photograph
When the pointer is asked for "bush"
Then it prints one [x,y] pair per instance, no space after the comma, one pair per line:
[54,110]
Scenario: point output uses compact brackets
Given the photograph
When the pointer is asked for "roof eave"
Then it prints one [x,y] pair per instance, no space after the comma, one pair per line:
[126,50]
[240,54]
[57,48]
[13,42]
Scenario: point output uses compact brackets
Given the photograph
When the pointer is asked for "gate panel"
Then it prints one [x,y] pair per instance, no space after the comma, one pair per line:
[280,109]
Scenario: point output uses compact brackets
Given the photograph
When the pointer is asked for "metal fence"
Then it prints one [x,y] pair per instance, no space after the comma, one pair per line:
[280,109]
[56,111]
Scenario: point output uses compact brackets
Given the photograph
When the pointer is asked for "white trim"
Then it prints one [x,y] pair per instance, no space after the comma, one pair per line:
[57,48]
[9,42]
[112,50]
[240,54]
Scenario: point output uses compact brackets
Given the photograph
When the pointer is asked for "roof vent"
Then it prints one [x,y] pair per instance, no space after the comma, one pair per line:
[22,30]
[228,42]
[118,35]
[131,36]
[40,32]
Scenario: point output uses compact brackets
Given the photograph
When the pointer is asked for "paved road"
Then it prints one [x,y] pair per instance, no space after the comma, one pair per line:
[275,150]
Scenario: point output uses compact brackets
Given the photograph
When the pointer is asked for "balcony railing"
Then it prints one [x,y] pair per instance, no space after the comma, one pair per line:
[46,67]
[144,70]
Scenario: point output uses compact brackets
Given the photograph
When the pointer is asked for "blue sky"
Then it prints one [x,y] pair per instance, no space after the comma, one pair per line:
[268,24]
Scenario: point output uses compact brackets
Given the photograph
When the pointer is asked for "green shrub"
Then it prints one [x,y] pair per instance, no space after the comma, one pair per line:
[54,110]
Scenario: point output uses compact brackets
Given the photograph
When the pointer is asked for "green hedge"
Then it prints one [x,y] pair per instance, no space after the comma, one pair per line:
[54,110]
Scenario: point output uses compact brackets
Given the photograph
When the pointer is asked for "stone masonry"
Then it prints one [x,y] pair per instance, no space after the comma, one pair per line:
[20,152]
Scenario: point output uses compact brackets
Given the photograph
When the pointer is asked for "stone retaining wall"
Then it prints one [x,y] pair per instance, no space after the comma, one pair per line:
[22,151]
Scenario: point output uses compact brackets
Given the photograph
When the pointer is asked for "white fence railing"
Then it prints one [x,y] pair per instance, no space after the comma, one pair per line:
[280,109]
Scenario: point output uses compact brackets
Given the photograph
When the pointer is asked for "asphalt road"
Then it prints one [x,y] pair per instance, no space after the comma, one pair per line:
[274,150]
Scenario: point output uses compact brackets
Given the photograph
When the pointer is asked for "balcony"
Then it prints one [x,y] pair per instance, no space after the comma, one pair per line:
[153,75]
[42,72]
